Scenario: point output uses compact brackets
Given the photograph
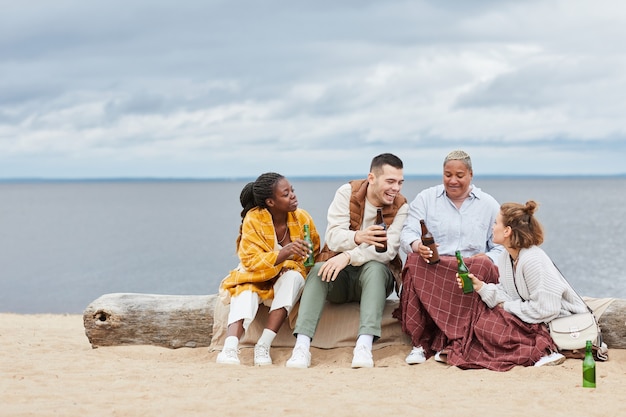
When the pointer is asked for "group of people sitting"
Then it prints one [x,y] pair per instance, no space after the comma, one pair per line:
[500,325]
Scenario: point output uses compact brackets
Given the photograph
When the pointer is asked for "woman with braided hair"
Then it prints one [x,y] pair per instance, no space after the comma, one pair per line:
[272,251]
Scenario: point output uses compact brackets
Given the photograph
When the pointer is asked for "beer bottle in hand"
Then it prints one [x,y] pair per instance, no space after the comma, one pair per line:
[589,367]
[310,260]
[429,240]
[380,222]
[463,273]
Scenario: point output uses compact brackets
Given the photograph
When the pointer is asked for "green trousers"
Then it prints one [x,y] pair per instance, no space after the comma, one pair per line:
[369,284]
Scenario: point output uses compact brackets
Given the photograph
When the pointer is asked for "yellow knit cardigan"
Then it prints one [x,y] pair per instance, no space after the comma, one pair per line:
[257,253]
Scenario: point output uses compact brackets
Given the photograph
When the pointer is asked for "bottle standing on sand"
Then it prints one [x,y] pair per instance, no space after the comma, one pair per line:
[429,240]
[589,367]
[310,260]
[463,272]
[380,222]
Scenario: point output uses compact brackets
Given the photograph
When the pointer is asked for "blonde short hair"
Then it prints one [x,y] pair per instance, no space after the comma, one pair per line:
[459,155]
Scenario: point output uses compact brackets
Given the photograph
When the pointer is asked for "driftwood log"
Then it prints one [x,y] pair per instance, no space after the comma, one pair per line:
[175,321]
[613,325]
[171,321]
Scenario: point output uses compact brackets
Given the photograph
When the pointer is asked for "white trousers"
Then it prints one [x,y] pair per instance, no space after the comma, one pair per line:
[287,290]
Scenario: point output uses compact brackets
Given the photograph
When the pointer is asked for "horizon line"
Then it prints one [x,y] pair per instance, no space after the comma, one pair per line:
[302,177]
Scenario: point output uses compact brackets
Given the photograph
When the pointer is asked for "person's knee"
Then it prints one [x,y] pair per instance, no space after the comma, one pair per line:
[377,277]
[374,267]
[314,287]
[374,271]
[291,279]
[314,270]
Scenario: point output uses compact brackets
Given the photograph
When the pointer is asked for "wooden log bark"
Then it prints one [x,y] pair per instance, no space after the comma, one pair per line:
[171,321]
[175,321]
[613,325]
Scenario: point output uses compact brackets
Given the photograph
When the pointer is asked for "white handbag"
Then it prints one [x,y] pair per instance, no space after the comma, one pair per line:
[572,332]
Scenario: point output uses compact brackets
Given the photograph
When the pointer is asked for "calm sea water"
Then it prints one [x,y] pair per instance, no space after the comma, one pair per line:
[64,244]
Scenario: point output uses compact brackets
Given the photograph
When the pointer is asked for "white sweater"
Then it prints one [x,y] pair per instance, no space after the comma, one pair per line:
[543,293]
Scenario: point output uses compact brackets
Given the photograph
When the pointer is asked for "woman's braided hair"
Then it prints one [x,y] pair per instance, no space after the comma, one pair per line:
[255,194]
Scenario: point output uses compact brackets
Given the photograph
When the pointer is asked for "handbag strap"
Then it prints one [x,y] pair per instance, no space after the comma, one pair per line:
[515,278]
[562,276]
[573,289]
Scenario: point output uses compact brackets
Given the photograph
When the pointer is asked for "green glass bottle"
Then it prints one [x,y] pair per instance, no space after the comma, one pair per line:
[463,272]
[310,260]
[589,367]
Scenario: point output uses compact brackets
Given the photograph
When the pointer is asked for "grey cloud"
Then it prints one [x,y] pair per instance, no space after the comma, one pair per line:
[541,84]
[203,73]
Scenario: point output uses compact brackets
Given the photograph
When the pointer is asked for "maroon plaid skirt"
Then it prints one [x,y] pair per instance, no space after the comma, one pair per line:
[437,316]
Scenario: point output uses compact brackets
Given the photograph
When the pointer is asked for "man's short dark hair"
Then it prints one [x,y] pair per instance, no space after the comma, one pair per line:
[385,159]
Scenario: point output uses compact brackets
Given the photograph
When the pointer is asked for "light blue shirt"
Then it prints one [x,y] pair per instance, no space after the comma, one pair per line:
[468,229]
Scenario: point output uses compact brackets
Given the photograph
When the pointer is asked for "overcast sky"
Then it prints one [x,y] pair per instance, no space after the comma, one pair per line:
[233,88]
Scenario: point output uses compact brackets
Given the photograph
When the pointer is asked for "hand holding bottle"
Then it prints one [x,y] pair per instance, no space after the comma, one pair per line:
[298,247]
[426,252]
[372,235]
[428,241]
[463,274]
[478,284]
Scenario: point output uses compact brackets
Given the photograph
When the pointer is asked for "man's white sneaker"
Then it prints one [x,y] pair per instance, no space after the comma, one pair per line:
[552,359]
[300,358]
[362,357]
[416,356]
[228,356]
[262,355]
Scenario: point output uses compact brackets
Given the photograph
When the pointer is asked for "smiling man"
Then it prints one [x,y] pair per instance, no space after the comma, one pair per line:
[349,269]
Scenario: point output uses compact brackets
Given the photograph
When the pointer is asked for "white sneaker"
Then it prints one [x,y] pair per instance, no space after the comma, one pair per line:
[228,356]
[362,357]
[441,357]
[262,355]
[300,358]
[552,359]
[416,356]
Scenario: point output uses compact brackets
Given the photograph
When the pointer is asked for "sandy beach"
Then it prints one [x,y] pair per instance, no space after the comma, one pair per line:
[49,368]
